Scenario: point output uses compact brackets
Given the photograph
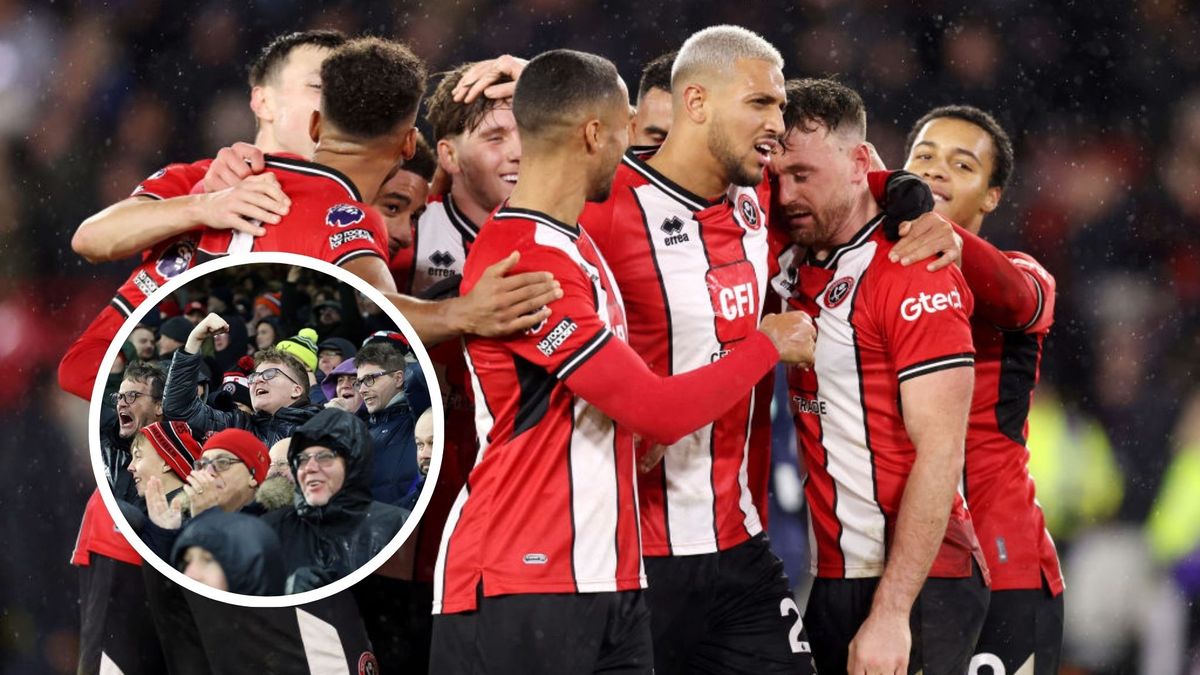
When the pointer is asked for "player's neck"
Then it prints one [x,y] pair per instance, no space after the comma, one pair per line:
[547,185]
[688,163]
[367,170]
[466,203]
[266,141]
[864,209]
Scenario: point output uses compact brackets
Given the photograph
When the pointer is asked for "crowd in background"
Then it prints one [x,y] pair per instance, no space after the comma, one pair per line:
[1102,100]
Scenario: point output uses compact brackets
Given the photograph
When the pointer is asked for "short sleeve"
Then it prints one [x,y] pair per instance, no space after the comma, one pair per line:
[925,319]
[173,180]
[1044,285]
[574,330]
[354,231]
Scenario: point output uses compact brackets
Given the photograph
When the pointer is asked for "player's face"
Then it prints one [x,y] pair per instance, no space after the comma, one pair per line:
[295,94]
[488,157]
[143,342]
[200,565]
[423,433]
[269,396]
[401,201]
[652,120]
[747,120]
[264,335]
[614,133]
[131,417]
[813,195]
[144,462]
[319,483]
[347,391]
[382,389]
[955,158]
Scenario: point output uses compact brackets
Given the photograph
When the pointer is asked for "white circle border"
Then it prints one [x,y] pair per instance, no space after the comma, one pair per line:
[435,397]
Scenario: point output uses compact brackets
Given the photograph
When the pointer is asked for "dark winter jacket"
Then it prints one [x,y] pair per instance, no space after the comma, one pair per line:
[116,454]
[395,445]
[324,543]
[246,548]
[180,403]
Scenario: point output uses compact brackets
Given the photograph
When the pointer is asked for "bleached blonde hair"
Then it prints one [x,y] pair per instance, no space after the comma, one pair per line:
[715,50]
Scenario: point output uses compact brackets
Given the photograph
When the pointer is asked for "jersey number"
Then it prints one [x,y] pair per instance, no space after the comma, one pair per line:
[786,607]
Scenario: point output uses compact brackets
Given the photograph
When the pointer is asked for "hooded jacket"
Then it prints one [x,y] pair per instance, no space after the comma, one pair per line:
[180,403]
[324,543]
[247,550]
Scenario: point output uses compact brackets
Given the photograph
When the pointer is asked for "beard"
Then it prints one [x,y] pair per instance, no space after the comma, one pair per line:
[826,223]
[276,492]
[721,146]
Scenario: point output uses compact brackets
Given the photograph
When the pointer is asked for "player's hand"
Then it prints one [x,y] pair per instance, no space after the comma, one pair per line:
[232,165]
[876,161]
[202,492]
[501,305]
[927,236]
[166,516]
[480,77]
[648,454]
[794,335]
[881,645]
[258,199]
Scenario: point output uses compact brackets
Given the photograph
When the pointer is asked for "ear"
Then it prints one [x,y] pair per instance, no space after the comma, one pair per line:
[297,392]
[860,157]
[314,126]
[409,147]
[695,100]
[260,103]
[991,200]
[592,137]
[158,413]
[447,155]
[253,483]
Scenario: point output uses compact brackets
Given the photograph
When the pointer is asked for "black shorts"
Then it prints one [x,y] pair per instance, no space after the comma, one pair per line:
[726,612]
[546,633]
[1022,627]
[945,621]
[115,619]
[399,619]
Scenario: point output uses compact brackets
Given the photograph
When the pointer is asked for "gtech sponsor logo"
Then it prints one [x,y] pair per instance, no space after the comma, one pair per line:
[912,308]
[557,336]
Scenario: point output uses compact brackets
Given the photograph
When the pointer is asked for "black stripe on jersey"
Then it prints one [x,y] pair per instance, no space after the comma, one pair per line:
[584,353]
[1018,374]
[123,306]
[151,195]
[314,169]
[1037,313]
[354,255]
[465,227]
[538,217]
[535,385]
[862,398]
[669,187]
[934,365]
[835,254]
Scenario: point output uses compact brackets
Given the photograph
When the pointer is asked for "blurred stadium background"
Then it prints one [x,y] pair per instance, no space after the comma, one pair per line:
[1102,99]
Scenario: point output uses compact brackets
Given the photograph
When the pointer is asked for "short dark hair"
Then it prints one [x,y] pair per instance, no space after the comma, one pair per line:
[1002,167]
[557,85]
[657,74]
[148,373]
[423,162]
[448,117]
[299,373]
[270,60]
[382,355]
[812,102]
[369,86]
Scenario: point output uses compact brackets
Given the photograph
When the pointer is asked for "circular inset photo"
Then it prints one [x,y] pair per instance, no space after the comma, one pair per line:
[265,429]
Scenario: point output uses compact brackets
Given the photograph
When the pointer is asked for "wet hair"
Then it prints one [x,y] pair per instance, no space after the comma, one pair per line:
[656,75]
[823,102]
[423,162]
[559,86]
[271,59]
[448,117]
[1003,165]
[147,373]
[369,86]
[717,48]
[381,354]
[296,369]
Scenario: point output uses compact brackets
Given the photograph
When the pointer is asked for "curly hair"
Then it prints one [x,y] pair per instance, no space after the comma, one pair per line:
[369,86]
[147,373]
[1003,165]
[448,117]
[813,102]
[271,59]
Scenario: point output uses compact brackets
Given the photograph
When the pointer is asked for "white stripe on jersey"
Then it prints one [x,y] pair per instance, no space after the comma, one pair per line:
[553,236]
[594,499]
[110,667]
[241,242]
[322,646]
[845,428]
[441,244]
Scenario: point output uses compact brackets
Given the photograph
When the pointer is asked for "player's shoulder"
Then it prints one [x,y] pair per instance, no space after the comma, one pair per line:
[311,181]
[541,240]
[1026,262]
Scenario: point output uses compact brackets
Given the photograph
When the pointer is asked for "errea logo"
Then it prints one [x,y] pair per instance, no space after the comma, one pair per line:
[912,308]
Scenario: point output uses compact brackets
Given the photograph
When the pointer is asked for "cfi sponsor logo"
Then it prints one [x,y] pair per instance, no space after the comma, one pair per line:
[925,303]
[838,291]
[344,215]
[175,259]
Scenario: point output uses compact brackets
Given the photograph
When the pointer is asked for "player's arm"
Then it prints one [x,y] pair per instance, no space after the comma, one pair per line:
[498,304]
[935,409]
[617,381]
[1012,293]
[137,223]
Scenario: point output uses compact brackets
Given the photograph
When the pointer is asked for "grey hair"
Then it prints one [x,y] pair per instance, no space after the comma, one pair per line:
[717,48]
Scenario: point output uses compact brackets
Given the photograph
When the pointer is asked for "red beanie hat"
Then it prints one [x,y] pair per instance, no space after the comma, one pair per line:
[173,442]
[247,447]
